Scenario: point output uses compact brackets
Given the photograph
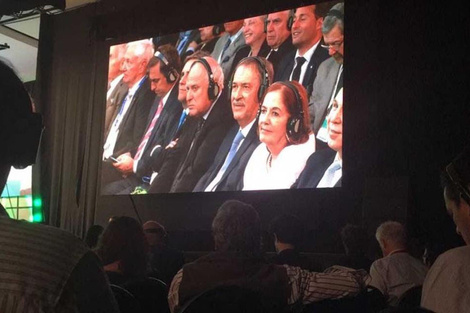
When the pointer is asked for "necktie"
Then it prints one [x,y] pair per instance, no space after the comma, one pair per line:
[233,150]
[330,173]
[146,137]
[296,73]
[227,44]
[182,118]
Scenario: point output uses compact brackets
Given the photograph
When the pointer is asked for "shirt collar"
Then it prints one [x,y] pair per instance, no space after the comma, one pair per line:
[245,130]
[307,55]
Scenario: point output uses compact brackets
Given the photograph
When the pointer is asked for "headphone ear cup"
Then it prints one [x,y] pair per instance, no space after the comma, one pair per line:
[290,21]
[266,25]
[293,127]
[171,76]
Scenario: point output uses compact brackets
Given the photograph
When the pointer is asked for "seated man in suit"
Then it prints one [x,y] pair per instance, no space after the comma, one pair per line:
[278,37]
[330,73]
[324,167]
[302,65]
[117,88]
[252,77]
[163,73]
[128,123]
[192,153]
[228,45]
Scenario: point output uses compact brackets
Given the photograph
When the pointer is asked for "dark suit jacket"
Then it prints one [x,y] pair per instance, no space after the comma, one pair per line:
[232,179]
[315,168]
[184,165]
[133,124]
[287,66]
[243,53]
[277,56]
[163,131]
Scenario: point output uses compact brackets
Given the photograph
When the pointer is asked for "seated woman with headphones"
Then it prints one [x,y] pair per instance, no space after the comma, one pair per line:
[286,138]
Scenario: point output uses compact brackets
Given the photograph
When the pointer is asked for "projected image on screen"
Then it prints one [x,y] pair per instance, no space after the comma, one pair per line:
[252,104]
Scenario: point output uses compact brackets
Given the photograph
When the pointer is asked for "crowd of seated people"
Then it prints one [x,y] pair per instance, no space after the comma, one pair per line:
[259,97]
[45,269]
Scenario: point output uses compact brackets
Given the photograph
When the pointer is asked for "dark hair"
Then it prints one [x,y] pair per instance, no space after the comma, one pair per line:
[124,240]
[289,99]
[461,165]
[354,239]
[197,55]
[93,235]
[236,227]
[288,228]
[171,54]
[251,61]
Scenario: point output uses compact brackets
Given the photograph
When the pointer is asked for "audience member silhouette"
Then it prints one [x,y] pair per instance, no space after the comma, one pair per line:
[288,232]
[397,271]
[123,250]
[447,285]
[354,239]
[164,261]
[93,235]
[237,261]
[42,268]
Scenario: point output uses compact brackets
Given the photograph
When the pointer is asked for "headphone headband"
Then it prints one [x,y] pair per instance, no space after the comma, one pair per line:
[458,182]
[213,89]
[296,121]
[172,74]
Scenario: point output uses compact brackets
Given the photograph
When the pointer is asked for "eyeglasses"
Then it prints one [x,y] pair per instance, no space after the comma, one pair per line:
[335,45]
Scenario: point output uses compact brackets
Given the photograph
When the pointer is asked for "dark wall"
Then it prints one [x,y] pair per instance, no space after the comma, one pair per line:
[406,116]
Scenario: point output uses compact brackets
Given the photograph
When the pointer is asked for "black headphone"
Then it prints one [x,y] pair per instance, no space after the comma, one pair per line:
[263,73]
[295,124]
[213,90]
[290,21]
[23,140]
[171,74]
[218,29]
[458,182]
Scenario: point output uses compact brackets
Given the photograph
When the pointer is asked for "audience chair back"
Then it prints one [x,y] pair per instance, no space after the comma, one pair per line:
[126,301]
[370,300]
[151,293]
[227,299]
[411,298]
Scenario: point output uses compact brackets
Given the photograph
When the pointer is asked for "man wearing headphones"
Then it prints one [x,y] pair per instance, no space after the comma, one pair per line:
[278,36]
[251,78]
[41,268]
[191,155]
[163,73]
[302,65]
[324,167]
[446,287]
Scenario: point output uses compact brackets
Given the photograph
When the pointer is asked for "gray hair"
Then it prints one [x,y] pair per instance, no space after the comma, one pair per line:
[391,231]
[332,20]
